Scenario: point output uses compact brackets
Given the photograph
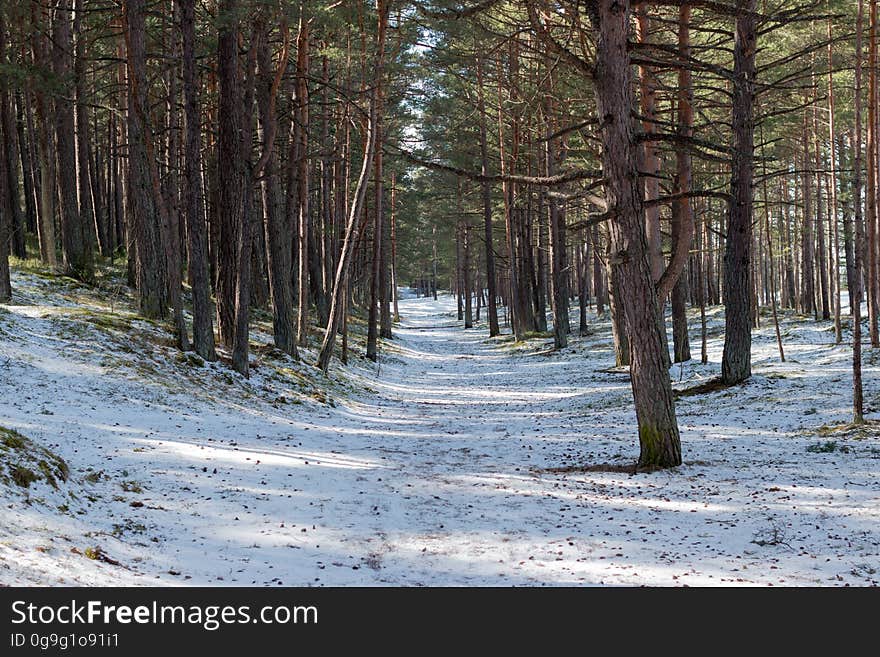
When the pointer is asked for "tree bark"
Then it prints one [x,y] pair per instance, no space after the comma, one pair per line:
[196,229]
[46,149]
[486,196]
[88,217]
[75,244]
[856,289]
[682,212]
[5,193]
[631,275]
[302,120]
[245,241]
[229,167]
[143,212]
[736,363]
[650,158]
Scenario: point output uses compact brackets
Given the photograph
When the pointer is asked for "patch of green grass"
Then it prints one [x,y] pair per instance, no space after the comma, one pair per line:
[128,527]
[11,439]
[827,447]
[22,476]
[48,473]
[29,463]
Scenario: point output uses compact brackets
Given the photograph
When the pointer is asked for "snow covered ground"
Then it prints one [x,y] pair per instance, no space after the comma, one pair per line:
[459,460]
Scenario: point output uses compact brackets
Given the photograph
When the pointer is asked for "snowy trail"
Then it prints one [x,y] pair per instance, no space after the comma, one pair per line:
[438,474]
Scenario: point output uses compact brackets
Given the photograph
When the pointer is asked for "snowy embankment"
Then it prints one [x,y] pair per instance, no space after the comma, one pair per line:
[459,460]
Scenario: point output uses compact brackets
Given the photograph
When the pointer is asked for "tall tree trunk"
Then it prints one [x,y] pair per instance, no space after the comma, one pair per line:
[88,218]
[245,241]
[833,189]
[736,363]
[376,270]
[229,167]
[302,96]
[384,256]
[144,213]
[822,259]
[650,158]
[466,279]
[682,212]
[856,289]
[26,151]
[46,151]
[394,282]
[15,220]
[486,197]
[169,201]
[790,278]
[278,226]
[871,209]
[196,229]
[631,276]
[557,255]
[6,199]
[76,247]
[808,274]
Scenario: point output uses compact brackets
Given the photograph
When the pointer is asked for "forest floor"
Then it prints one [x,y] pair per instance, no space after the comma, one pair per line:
[459,460]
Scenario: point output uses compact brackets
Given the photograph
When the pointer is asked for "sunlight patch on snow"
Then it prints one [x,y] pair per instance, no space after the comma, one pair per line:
[288,458]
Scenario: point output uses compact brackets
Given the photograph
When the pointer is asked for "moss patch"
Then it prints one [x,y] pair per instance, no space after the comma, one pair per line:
[11,439]
[22,476]
[29,463]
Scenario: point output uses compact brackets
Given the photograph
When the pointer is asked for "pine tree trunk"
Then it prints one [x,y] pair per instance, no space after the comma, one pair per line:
[172,233]
[808,274]
[557,258]
[394,282]
[203,324]
[682,212]
[244,218]
[88,218]
[631,276]
[279,241]
[376,272]
[466,280]
[833,188]
[46,149]
[302,96]
[856,289]
[143,212]
[229,168]
[15,220]
[822,259]
[650,158]
[75,244]
[6,199]
[736,364]
[486,196]
[25,151]
[871,209]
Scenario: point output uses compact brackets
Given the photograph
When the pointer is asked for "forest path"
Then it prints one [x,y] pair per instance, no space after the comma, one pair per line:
[458,459]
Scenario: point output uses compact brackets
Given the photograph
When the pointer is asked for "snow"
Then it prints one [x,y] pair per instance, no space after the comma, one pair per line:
[458,460]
